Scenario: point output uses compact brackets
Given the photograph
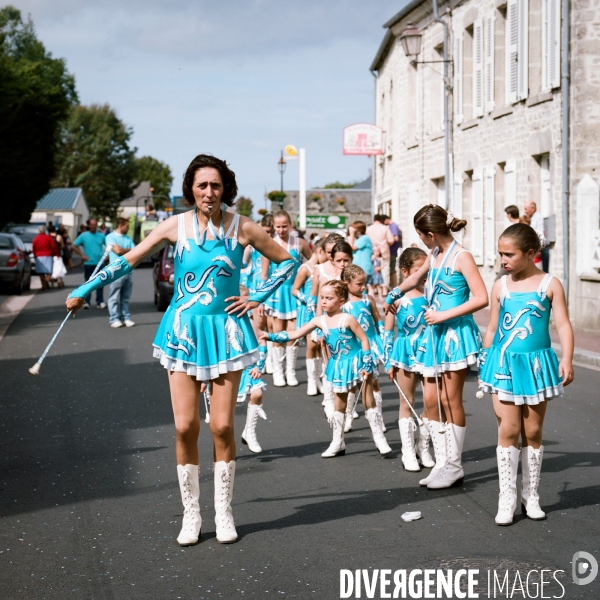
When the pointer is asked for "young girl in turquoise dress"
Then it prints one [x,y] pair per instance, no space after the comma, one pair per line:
[205,336]
[519,367]
[283,306]
[400,361]
[252,383]
[340,256]
[363,308]
[454,291]
[301,290]
[350,365]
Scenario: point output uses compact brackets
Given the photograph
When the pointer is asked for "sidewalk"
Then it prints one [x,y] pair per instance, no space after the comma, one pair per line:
[587,345]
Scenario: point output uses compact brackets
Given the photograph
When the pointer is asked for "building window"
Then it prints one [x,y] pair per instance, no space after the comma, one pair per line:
[467,78]
[550,44]
[500,93]
[517,56]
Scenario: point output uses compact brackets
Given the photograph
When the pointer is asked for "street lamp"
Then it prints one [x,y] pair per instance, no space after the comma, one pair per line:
[411,41]
[281,164]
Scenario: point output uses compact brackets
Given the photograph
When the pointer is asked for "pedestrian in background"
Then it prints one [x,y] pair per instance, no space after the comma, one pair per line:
[397,235]
[362,247]
[120,290]
[512,213]
[93,243]
[537,222]
[58,266]
[381,237]
[66,249]
[377,277]
[44,250]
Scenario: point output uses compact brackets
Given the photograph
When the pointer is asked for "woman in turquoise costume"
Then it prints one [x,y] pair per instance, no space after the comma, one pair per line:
[205,336]
[519,367]
[283,306]
[454,291]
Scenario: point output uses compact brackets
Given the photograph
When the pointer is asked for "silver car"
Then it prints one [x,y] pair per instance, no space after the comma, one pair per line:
[15,265]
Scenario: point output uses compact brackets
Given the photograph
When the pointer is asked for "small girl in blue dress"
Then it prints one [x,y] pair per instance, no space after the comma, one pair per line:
[363,308]
[301,290]
[520,369]
[350,365]
[282,305]
[454,291]
[401,362]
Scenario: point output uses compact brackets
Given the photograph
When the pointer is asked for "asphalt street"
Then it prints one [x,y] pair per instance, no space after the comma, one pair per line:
[90,506]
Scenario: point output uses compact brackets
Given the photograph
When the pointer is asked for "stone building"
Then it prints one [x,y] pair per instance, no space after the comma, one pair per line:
[344,205]
[508,109]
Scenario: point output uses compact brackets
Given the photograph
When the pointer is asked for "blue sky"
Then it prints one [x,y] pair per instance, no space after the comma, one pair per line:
[237,78]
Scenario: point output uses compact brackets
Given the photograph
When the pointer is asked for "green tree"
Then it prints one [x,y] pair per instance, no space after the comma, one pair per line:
[244,206]
[94,154]
[36,92]
[337,185]
[158,174]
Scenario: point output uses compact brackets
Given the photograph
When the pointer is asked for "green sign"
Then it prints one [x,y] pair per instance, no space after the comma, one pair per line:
[325,222]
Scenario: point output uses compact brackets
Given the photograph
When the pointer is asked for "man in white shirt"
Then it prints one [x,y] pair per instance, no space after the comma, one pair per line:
[537,223]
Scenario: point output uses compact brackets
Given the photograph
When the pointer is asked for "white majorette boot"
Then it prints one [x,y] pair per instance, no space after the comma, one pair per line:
[378,437]
[379,403]
[452,472]
[532,467]
[241,398]
[190,496]
[290,365]
[350,402]
[422,449]
[407,437]
[311,376]
[508,464]
[249,433]
[224,476]
[270,356]
[439,449]
[337,446]
[329,400]
[278,377]
[320,376]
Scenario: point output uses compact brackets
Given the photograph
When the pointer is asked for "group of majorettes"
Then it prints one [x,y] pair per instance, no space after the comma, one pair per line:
[437,342]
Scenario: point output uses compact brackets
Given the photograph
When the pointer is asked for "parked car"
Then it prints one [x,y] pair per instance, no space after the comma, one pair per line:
[25,231]
[15,265]
[163,277]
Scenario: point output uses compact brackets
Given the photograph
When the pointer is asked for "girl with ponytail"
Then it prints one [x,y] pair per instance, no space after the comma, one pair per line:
[454,291]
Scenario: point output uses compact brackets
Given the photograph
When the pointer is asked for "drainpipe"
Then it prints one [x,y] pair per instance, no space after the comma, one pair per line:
[566,93]
[436,17]
[374,159]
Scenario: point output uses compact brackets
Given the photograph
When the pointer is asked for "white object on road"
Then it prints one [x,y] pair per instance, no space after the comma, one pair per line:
[411,516]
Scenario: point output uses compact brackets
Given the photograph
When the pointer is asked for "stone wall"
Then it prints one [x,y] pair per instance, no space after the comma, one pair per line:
[356,205]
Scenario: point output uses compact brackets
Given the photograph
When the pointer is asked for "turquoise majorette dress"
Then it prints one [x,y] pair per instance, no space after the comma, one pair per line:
[520,365]
[255,270]
[247,383]
[283,303]
[411,329]
[361,311]
[304,315]
[196,336]
[345,355]
[452,345]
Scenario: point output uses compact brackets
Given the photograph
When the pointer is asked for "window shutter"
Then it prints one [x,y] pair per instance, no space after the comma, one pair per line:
[512,52]
[489,61]
[457,208]
[458,78]
[489,193]
[550,44]
[510,182]
[523,48]
[478,68]
[477,216]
